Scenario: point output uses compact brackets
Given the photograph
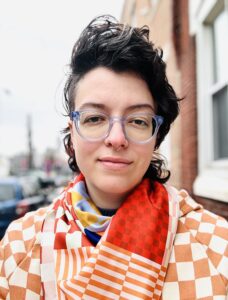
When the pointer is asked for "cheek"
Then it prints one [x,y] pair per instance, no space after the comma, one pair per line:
[83,151]
[145,153]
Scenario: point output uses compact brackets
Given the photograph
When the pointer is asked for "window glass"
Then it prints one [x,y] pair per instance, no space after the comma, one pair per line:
[6,192]
[220,39]
[220,97]
[220,113]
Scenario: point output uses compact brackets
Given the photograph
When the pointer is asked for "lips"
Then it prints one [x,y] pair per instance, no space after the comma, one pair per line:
[114,163]
[115,160]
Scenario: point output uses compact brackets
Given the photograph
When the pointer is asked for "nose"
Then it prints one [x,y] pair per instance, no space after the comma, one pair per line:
[116,137]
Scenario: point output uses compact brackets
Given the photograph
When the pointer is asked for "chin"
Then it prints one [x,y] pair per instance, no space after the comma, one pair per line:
[118,184]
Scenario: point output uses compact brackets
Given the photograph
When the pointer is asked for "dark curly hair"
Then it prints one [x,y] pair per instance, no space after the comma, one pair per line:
[107,43]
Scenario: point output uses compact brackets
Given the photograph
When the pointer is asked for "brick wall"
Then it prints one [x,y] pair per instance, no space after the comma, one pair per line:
[185,51]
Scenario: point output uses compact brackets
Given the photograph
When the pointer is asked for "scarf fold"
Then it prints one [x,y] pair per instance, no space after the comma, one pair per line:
[87,213]
[119,257]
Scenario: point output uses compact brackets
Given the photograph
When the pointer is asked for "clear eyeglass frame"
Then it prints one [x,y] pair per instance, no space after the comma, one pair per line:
[75,117]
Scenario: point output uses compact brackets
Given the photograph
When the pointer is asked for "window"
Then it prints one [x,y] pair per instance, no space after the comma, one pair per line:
[219,89]
[220,123]
[6,192]
[209,24]
[219,32]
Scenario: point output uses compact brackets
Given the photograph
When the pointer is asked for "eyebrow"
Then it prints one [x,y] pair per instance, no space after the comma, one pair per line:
[103,106]
[140,106]
[92,104]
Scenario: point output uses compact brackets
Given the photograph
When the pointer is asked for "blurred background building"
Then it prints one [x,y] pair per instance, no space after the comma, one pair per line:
[194,37]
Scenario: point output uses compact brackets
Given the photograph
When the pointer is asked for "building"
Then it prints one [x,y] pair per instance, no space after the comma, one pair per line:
[4,166]
[194,37]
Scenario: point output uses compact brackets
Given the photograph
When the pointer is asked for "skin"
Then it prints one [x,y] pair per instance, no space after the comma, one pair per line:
[115,166]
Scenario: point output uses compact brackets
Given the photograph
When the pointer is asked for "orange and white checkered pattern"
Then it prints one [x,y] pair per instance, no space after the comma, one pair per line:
[20,258]
[198,267]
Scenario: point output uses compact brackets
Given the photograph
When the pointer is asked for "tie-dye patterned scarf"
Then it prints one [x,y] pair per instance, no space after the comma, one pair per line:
[127,258]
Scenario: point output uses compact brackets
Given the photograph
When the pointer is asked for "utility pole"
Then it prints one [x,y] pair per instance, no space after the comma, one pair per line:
[30,148]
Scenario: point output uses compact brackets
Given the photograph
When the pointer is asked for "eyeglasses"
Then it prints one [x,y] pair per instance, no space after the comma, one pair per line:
[95,126]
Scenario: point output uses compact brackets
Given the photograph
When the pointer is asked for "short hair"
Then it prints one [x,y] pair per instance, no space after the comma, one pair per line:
[119,47]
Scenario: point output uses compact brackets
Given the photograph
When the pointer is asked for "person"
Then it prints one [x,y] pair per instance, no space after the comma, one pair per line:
[118,230]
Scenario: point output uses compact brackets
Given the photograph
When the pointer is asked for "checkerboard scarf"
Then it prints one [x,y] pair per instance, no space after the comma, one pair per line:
[85,255]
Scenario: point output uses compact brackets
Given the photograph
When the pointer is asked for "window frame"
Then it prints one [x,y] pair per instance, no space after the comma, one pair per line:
[212,179]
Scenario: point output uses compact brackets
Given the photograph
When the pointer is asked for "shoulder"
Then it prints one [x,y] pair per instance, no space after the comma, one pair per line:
[22,234]
[204,224]
[28,226]
[194,216]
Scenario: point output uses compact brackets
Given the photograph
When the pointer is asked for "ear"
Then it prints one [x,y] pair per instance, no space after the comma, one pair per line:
[70,125]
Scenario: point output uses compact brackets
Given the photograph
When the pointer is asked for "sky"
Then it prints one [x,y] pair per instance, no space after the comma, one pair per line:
[36,38]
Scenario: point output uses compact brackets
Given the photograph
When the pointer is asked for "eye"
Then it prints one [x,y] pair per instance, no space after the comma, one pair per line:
[139,122]
[92,119]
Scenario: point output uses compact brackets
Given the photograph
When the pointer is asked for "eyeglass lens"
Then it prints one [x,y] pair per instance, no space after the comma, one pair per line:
[137,127]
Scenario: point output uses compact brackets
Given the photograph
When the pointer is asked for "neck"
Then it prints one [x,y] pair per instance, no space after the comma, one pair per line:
[105,200]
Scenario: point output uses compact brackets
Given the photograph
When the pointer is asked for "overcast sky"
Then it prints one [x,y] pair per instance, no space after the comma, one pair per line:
[36,38]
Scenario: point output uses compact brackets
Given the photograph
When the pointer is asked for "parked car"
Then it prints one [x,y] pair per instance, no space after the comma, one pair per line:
[13,204]
[36,180]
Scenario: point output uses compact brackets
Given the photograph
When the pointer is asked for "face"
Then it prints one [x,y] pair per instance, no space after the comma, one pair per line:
[114,165]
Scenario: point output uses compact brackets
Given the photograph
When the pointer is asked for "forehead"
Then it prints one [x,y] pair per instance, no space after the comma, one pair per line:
[113,90]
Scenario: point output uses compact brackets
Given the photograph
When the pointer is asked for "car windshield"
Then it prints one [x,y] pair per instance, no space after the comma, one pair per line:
[6,192]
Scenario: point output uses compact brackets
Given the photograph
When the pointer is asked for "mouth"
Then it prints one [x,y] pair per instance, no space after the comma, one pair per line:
[114,163]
